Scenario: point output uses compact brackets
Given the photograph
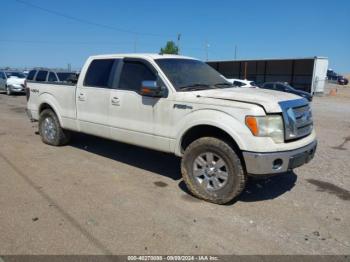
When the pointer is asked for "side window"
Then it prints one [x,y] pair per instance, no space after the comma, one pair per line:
[2,75]
[132,75]
[280,87]
[31,75]
[236,83]
[268,86]
[41,76]
[52,77]
[99,73]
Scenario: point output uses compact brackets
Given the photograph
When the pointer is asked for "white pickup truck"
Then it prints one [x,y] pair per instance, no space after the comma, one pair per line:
[182,106]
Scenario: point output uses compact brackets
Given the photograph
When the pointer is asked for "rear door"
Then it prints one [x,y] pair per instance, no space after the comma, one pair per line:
[134,118]
[93,97]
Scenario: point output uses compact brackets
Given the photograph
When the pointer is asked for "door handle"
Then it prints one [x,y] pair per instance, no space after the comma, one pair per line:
[115,101]
[81,97]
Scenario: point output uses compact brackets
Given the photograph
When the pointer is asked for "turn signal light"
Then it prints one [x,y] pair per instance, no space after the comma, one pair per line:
[252,124]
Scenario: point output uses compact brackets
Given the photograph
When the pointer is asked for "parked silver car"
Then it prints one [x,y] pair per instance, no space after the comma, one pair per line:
[12,82]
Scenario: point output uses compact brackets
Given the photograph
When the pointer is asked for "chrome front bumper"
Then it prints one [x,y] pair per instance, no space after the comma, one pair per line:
[17,89]
[278,162]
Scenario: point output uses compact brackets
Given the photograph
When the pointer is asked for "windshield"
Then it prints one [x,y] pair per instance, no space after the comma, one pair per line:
[185,73]
[15,74]
[64,76]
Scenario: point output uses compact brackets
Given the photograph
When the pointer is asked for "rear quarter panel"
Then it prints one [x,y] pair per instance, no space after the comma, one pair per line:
[60,97]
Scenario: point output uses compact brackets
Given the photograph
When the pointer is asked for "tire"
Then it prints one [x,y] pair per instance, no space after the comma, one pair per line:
[8,91]
[213,184]
[50,129]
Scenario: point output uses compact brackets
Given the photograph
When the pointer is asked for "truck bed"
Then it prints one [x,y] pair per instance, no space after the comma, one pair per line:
[61,97]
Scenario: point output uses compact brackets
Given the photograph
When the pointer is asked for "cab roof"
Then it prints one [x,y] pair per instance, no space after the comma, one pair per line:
[144,55]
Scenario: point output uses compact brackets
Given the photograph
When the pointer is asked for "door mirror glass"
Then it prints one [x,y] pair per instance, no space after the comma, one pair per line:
[151,88]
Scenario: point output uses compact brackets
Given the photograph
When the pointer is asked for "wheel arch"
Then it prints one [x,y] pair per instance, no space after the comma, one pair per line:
[46,105]
[208,130]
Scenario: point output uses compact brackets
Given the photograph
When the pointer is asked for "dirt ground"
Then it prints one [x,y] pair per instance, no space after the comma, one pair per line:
[95,196]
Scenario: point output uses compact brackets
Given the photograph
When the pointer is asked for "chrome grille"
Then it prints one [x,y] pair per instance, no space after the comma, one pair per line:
[297,118]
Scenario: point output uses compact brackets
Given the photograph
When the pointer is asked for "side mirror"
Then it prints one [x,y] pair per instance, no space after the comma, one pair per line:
[151,88]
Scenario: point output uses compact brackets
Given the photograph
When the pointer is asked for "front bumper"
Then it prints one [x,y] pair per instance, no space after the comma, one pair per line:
[278,162]
[16,89]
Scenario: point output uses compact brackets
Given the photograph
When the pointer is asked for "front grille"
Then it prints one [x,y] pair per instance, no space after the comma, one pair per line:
[297,118]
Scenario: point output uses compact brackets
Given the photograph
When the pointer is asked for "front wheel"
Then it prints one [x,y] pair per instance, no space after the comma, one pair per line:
[212,170]
[50,129]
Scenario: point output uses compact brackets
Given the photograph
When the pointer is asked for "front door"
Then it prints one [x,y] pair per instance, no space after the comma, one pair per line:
[134,118]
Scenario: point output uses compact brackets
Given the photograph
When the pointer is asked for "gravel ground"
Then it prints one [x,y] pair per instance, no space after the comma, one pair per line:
[101,197]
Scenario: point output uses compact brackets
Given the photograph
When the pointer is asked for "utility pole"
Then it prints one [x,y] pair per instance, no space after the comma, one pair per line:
[178,42]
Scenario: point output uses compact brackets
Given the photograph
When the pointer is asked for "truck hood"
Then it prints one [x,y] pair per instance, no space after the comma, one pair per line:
[15,81]
[268,99]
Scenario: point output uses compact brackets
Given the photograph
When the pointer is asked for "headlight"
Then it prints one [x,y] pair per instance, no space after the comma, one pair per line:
[266,126]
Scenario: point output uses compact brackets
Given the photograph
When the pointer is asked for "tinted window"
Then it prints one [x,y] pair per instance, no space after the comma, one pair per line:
[2,75]
[41,76]
[289,88]
[52,77]
[31,75]
[269,86]
[66,76]
[133,74]
[236,83]
[280,87]
[98,74]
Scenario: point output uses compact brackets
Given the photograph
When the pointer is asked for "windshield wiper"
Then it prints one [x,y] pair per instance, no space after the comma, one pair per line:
[195,87]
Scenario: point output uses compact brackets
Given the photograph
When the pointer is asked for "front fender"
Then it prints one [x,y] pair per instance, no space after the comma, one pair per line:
[211,117]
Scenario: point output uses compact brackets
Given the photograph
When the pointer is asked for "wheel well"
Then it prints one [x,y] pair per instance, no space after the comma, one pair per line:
[197,132]
[45,106]
[207,131]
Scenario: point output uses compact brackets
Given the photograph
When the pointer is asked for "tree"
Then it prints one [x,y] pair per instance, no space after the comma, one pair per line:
[170,48]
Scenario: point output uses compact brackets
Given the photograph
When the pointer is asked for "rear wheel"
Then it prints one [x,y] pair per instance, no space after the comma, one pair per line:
[50,129]
[212,170]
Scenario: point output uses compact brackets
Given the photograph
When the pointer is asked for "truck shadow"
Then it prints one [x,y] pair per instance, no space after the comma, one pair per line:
[259,189]
[268,188]
[169,166]
[156,162]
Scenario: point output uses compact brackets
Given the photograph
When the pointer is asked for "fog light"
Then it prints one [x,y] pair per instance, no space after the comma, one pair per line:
[277,164]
